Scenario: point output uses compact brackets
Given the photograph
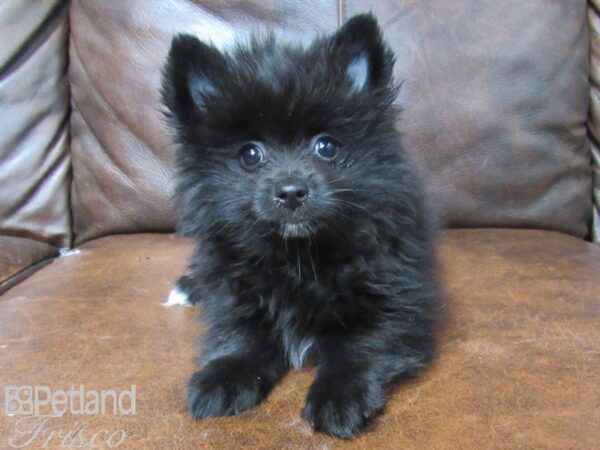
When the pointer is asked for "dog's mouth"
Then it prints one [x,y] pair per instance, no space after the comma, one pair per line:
[296,230]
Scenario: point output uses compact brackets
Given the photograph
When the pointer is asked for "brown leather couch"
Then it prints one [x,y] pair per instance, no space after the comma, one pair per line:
[501,107]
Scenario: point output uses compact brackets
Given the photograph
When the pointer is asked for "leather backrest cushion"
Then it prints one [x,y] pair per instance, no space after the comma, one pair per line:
[495,100]
[495,106]
[34,123]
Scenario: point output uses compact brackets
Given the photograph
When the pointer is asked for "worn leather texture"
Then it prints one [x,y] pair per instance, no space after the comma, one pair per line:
[122,152]
[594,116]
[518,364]
[34,118]
[17,254]
[495,101]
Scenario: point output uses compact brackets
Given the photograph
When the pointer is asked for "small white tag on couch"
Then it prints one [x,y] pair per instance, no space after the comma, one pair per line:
[66,251]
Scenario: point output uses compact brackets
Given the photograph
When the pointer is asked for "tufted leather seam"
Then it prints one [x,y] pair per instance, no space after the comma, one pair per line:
[594,16]
[17,277]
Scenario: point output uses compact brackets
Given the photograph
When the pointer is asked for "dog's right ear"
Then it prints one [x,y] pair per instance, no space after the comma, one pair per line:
[191,75]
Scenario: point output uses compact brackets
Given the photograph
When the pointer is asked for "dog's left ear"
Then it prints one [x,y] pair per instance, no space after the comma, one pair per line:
[367,61]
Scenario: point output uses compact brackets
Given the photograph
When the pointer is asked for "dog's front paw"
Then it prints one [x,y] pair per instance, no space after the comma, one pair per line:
[226,386]
[340,408]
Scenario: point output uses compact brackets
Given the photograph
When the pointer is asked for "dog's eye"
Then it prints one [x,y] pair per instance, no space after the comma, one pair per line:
[251,155]
[326,147]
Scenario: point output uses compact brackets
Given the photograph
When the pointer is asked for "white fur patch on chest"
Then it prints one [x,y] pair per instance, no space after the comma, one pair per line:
[297,349]
[177,298]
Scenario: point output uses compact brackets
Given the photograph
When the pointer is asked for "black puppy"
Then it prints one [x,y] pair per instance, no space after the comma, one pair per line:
[314,244]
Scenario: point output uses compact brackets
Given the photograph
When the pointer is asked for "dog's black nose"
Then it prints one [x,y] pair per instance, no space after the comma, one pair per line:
[291,194]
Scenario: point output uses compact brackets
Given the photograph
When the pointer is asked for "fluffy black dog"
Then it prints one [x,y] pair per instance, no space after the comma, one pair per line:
[314,244]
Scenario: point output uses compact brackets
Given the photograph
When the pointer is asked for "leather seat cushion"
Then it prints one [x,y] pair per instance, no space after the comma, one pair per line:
[518,360]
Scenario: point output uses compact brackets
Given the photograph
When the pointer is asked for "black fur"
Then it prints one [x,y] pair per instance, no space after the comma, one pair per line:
[346,281]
